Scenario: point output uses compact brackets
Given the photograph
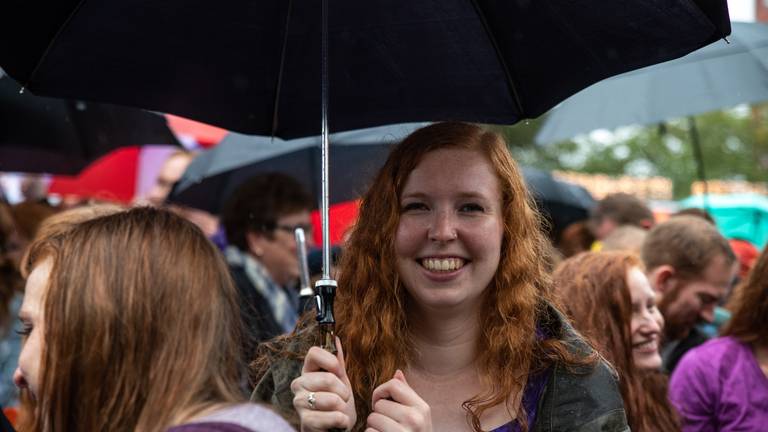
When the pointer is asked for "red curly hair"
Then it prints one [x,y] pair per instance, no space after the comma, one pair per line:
[370,304]
[594,291]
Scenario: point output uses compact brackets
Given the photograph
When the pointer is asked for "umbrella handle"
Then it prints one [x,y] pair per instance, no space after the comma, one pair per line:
[326,291]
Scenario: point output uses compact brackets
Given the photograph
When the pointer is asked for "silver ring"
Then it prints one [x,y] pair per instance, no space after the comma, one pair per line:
[311,400]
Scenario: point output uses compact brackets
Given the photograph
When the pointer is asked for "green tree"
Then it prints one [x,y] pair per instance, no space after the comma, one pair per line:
[734,146]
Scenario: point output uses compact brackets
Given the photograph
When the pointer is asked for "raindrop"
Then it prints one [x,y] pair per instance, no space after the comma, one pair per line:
[21,90]
[80,106]
[527,122]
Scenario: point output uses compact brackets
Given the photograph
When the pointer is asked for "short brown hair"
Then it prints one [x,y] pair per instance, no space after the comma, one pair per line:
[749,305]
[256,205]
[687,243]
[624,209]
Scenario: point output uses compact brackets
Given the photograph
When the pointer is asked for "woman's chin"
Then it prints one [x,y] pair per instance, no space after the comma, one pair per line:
[648,362]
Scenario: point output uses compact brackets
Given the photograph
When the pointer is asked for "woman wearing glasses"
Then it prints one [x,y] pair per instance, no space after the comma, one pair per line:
[259,220]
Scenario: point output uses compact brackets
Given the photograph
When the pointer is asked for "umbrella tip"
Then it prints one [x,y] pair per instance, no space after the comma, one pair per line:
[725,38]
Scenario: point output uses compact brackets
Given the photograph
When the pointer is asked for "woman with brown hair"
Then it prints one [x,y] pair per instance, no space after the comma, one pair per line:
[610,301]
[131,324]
[444,315]
[723,384]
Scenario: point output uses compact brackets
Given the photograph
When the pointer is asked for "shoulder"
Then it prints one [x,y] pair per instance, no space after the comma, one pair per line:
[247,417]
[581,398]
[713,353]
[706,364]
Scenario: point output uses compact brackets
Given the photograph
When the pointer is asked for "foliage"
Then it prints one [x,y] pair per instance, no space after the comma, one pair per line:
[734,145]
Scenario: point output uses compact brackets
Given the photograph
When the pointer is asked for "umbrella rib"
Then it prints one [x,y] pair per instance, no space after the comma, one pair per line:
[53,41]
[510,82]
[279,85]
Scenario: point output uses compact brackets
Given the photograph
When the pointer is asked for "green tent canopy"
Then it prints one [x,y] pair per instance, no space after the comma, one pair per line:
[743,216]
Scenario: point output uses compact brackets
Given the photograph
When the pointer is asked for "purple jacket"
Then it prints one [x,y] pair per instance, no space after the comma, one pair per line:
[719,386]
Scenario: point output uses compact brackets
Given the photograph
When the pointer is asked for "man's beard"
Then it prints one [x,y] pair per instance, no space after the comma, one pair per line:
[675,326]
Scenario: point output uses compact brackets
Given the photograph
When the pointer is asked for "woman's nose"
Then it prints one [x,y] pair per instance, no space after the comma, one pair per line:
[443,227]
[18,379]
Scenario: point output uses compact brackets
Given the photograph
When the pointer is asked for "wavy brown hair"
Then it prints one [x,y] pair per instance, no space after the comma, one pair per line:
[749,305]
[371,311]
[593,288]
[140,325]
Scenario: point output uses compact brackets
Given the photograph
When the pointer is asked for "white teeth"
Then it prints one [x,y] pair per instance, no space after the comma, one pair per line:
[442,264]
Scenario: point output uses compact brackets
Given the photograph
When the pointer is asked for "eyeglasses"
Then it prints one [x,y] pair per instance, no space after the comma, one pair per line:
[292,228]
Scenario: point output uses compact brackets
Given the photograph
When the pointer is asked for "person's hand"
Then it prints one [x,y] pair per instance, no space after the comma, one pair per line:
[397,408]
[322,394]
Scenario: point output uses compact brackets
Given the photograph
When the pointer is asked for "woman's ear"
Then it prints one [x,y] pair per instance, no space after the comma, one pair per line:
[255,243]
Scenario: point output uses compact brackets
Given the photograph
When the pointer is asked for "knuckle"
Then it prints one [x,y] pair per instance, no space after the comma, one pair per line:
[296,385]
[338,403]
[413,418]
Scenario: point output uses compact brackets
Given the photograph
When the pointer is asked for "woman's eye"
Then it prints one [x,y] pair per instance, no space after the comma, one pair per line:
[414,206]
[471,207]
[26,330]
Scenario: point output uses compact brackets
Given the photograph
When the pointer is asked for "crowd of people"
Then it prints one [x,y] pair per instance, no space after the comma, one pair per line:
[454,311]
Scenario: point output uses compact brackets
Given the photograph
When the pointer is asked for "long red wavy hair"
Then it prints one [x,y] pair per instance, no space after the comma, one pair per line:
[371,300]
[593,288]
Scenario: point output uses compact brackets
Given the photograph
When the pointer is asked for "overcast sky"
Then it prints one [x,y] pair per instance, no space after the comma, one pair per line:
[742,10]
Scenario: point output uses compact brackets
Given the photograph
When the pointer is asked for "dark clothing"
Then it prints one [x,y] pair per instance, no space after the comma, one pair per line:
[577,399]
[533,390]
[673,351]
[260,325]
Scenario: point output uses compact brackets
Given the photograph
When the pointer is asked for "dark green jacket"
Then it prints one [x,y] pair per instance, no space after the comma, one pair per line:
[573,401]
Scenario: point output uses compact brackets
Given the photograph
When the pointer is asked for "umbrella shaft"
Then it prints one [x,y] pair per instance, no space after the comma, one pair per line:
[324,151]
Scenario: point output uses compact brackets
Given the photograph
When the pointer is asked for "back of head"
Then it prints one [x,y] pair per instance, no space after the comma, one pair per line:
[259,202]
[622,209]
[625,238]
[697,212]
[749,306]
[140,324]
[686,243]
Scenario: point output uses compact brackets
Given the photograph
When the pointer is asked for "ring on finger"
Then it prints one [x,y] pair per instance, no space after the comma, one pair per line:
[311,400]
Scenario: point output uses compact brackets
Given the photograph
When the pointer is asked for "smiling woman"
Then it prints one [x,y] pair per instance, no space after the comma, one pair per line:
[610,301]
[444,309]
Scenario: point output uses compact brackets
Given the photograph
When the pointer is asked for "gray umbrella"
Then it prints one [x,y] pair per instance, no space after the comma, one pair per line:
[214,175]
[714,77]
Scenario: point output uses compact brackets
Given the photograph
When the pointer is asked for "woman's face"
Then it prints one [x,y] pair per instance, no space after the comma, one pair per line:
[27,374]
[277,251]
[647,322]
[448,241]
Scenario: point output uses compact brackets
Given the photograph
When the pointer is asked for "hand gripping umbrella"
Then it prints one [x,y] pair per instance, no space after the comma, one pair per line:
[252,66]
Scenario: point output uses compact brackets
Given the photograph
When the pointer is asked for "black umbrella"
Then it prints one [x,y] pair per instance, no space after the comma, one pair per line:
[561,202]
[264,67]
[57,136]
[254,67]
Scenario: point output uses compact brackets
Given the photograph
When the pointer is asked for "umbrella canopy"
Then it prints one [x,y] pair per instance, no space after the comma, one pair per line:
[57,136]
[717,76]
[256,68]
[561,202]
[119,176]
[742,216]
[214,175]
